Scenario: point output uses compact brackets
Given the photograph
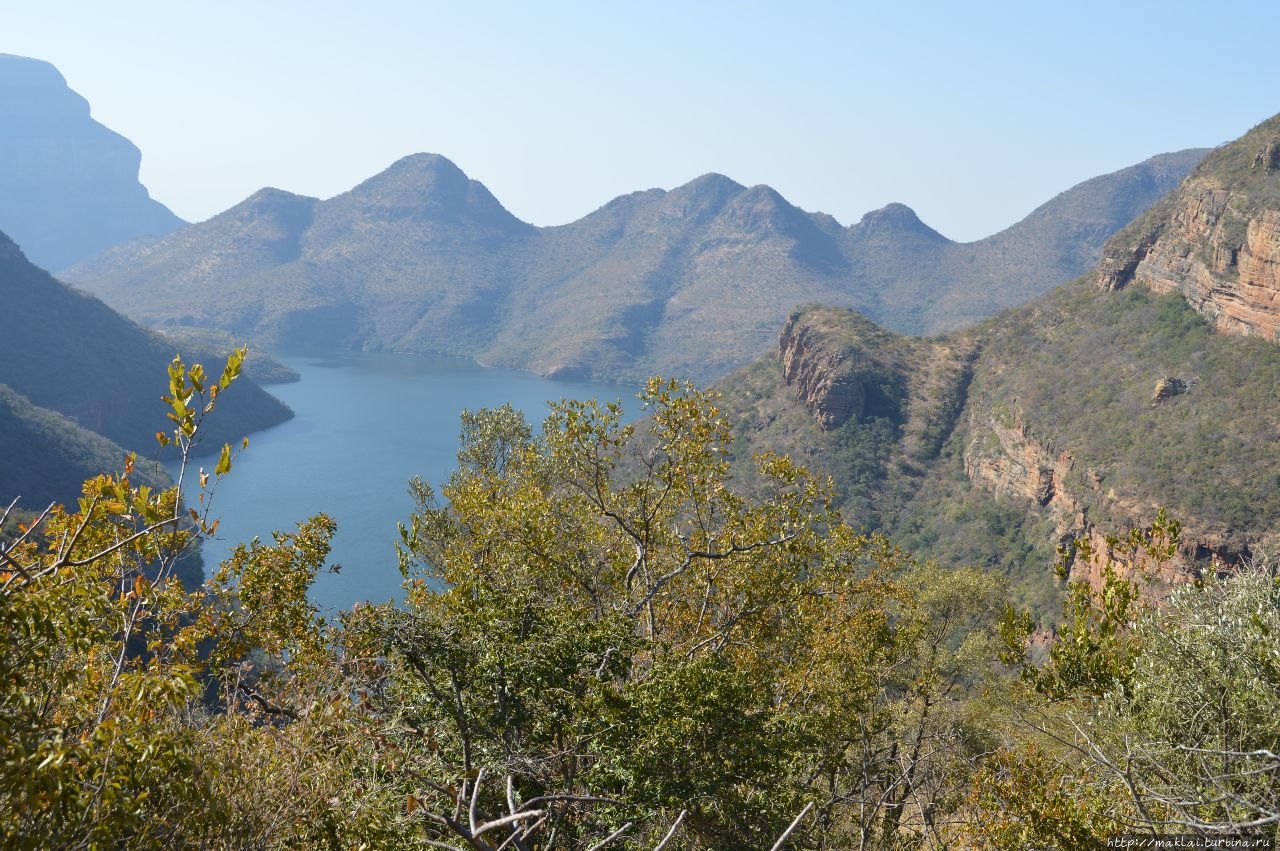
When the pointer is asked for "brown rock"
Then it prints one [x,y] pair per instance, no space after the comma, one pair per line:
[823,379]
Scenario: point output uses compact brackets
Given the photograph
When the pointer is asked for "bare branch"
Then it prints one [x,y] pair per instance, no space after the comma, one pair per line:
[610,837]
[777,846]
[672,832]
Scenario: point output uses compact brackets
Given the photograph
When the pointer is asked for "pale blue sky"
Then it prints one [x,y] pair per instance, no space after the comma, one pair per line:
[970,113]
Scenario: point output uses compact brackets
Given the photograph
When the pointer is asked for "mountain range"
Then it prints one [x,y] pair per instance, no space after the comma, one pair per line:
[68,186]
[689,282]
[1149,383]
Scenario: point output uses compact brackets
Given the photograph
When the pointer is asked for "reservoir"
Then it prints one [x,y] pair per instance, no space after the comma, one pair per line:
[364,425]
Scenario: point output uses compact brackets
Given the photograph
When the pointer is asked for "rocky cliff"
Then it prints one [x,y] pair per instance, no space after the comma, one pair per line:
[68,186]
[1216,241]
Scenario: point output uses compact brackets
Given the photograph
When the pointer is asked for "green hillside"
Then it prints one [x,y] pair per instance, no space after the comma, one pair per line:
[67,353]
[47,456]
[685,282]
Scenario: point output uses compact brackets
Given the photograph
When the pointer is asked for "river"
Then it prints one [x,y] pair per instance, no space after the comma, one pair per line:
[365,424]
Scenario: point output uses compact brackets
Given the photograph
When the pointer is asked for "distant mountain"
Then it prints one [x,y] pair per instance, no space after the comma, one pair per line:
[79,375]
[686,282]
[1077,415]
[928,285]
[68,186]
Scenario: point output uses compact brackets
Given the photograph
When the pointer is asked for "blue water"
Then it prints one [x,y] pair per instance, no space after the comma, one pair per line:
[364,425]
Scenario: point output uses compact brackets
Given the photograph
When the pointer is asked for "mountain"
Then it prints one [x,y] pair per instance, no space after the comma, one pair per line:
[687,282]
[943,286]
[1150,382]
[68,186]
[1216,241]
[78,373]
[47,456]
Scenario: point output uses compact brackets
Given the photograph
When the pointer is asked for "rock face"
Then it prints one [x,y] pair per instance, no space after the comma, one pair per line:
[1167,388]
[1216,241]
[843,368]
[68,186]
[825,381]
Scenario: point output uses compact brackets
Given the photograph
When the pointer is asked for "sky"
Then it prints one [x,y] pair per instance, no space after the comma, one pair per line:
[971,113]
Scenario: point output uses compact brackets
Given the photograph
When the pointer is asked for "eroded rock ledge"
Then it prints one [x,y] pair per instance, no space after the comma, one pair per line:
[1216,240]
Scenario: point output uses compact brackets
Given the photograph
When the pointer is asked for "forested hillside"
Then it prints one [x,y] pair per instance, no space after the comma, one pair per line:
[1078,415]
[70,355]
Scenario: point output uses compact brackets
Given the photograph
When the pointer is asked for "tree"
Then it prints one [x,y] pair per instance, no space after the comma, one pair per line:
[1156,716]
[607,641]
[605,616]
[132,713]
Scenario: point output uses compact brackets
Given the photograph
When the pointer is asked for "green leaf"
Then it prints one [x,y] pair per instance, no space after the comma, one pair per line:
[224,461]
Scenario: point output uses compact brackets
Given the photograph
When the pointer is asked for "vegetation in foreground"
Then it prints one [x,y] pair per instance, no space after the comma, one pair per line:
[607,642]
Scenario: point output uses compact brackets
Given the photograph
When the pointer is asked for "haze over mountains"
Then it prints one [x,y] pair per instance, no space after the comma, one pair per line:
[690,282]
[992,444]
[68,186]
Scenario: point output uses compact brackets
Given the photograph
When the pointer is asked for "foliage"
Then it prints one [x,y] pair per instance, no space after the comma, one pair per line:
[605,616]
[1160,717]
[608,640]
[1081,367]
[107,736]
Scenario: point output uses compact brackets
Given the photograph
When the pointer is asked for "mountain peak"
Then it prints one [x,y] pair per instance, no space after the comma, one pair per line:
[21,72]
[428,186]
[895,220]
[710,184]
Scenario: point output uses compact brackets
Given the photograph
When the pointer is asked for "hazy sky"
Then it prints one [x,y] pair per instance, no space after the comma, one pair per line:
[971,113]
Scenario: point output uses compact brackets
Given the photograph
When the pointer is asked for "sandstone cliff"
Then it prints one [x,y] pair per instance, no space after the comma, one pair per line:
[1216,241]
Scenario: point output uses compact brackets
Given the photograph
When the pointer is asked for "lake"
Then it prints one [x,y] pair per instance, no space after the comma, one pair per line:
[364,425]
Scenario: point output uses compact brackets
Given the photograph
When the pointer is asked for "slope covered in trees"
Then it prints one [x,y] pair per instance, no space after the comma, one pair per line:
[608,642]
[689,282]
[1079,414]
[71,355]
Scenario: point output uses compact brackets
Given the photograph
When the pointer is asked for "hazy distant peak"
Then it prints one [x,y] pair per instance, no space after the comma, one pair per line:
[68,185]
[9,250]
[424,162]
[274,215]
[710,184]
[430,186]
[272,195]
[763,207]
[21,72]
[1175,163]
[895,218]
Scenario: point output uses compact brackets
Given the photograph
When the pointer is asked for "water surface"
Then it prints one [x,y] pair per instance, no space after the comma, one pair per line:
[364,425]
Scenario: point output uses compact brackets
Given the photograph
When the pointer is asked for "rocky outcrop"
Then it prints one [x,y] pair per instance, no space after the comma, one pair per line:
[1167,388]
[1216,241]
[1007,461]
[824,378]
